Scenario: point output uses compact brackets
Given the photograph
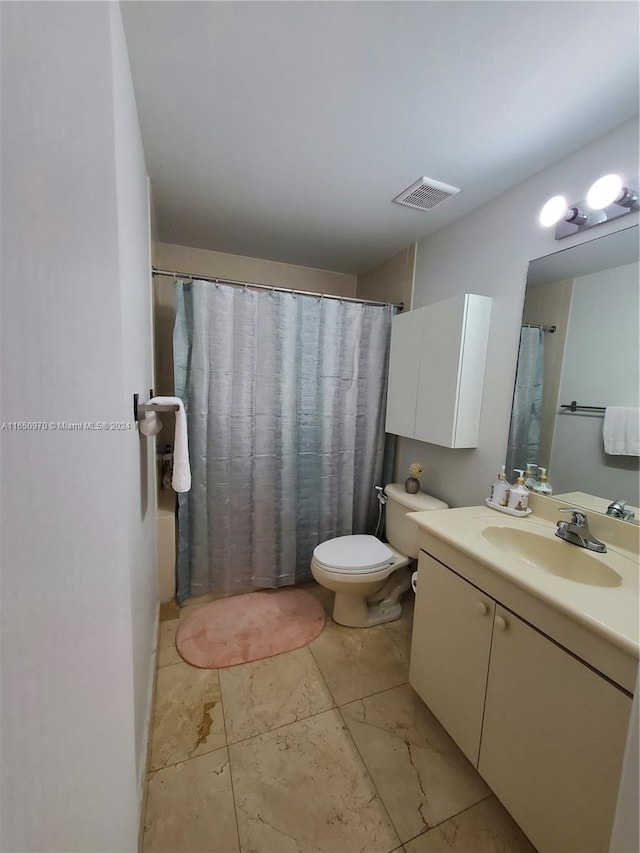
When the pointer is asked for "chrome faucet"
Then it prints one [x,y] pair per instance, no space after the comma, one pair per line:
[577,531]
[617,510]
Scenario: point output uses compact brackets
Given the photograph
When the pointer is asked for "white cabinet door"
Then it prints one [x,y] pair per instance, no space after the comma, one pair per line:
[552,741]
[450,651]
[404,370]
[436,371]
[452,359]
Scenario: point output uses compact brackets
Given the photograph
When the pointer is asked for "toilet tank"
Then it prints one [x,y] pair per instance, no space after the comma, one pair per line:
[402,534]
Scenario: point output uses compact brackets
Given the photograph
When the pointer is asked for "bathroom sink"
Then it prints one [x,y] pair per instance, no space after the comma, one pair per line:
[553,555]
[586,600]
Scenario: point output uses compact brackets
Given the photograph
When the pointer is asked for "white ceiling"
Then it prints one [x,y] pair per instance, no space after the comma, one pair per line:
[282,130]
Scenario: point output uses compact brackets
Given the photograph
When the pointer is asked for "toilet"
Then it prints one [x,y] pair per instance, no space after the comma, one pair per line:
[369,576]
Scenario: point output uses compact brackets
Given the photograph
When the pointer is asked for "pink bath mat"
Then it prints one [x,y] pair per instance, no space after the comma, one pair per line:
[249,627]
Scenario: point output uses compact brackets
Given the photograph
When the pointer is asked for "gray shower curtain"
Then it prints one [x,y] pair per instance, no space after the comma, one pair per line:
[526,413]
[285,397]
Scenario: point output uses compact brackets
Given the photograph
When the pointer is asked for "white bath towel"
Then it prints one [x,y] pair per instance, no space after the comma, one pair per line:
[621,431]
[181,479]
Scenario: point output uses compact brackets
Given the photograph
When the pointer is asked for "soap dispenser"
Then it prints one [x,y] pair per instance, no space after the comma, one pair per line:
[543,486]
[530,480]
[518,495]
[500,489]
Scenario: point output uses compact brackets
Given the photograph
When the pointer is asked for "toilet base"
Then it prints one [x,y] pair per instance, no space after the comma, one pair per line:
[358,611]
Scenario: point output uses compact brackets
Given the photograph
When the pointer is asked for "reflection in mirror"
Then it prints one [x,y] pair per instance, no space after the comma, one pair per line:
[589,296]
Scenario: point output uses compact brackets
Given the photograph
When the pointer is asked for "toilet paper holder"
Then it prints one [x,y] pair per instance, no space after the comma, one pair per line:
[140,409]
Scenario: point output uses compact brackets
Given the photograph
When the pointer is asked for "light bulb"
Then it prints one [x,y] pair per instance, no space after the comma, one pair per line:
[553,211]
[604,192]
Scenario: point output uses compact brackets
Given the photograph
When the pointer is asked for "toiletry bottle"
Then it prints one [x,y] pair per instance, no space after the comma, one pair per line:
[500,489]
[543,486]
[167,460]
[518,495]
[530,476]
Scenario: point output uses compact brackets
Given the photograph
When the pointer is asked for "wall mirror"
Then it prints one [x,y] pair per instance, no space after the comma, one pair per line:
[580,342]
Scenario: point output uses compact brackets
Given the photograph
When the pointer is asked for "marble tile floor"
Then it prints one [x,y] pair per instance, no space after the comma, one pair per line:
[325,749]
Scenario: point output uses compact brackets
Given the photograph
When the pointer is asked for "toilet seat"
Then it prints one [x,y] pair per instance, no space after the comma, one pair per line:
[353,555]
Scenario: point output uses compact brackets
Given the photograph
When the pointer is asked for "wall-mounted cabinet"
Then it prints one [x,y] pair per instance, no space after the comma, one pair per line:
[545,730]
[436,371]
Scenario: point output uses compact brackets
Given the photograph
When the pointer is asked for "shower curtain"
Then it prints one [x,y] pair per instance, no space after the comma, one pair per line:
[285,397]
[526,413]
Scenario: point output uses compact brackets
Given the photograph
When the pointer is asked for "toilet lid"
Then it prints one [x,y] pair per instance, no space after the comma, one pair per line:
[358,553]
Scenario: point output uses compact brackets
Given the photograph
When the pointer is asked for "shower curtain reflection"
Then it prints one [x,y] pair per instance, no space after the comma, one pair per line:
[285,397]
[526,414]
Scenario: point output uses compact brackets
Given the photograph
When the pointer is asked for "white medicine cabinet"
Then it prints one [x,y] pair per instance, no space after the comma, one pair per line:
[436,371]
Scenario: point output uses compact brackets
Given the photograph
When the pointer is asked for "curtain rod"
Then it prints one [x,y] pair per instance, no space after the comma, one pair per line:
[550,329]
[235,283]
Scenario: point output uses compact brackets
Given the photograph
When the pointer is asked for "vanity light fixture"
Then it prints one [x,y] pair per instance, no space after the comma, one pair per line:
[557,209]
[607,199]
[608,190]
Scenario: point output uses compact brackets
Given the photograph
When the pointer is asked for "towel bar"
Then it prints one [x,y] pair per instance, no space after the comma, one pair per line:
[574,407]
[139,409]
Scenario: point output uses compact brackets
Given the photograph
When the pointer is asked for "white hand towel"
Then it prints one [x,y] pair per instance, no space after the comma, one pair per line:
[621,431]
[181,479]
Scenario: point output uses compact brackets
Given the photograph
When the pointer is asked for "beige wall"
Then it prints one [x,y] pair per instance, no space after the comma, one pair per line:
[390,281]
[548,305]
[256,270]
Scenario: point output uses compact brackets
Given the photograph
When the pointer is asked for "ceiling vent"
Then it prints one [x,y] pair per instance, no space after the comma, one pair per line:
[425,194]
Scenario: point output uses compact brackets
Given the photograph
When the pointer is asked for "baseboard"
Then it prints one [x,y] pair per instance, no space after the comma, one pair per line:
[144,765]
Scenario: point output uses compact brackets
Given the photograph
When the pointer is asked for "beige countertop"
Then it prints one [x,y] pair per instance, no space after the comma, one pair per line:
[612,611]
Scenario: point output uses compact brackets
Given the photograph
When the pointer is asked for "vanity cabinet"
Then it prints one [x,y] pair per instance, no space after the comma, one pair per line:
[436,371]
[553,739]
[452,631]
[546,731]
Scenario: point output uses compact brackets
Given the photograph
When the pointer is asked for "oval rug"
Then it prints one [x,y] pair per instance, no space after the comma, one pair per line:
[249,627]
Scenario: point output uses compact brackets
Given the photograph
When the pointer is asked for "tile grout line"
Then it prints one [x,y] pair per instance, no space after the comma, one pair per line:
[335,707]
[451,817]
[350,736]
[147,772]
[298,719]
[151,772]
[429,827]
[371,779]
[356,698]
[324,680]
[226,738]
[309,716]
[364,763]
[226,746]
[346,729]
[249,737]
